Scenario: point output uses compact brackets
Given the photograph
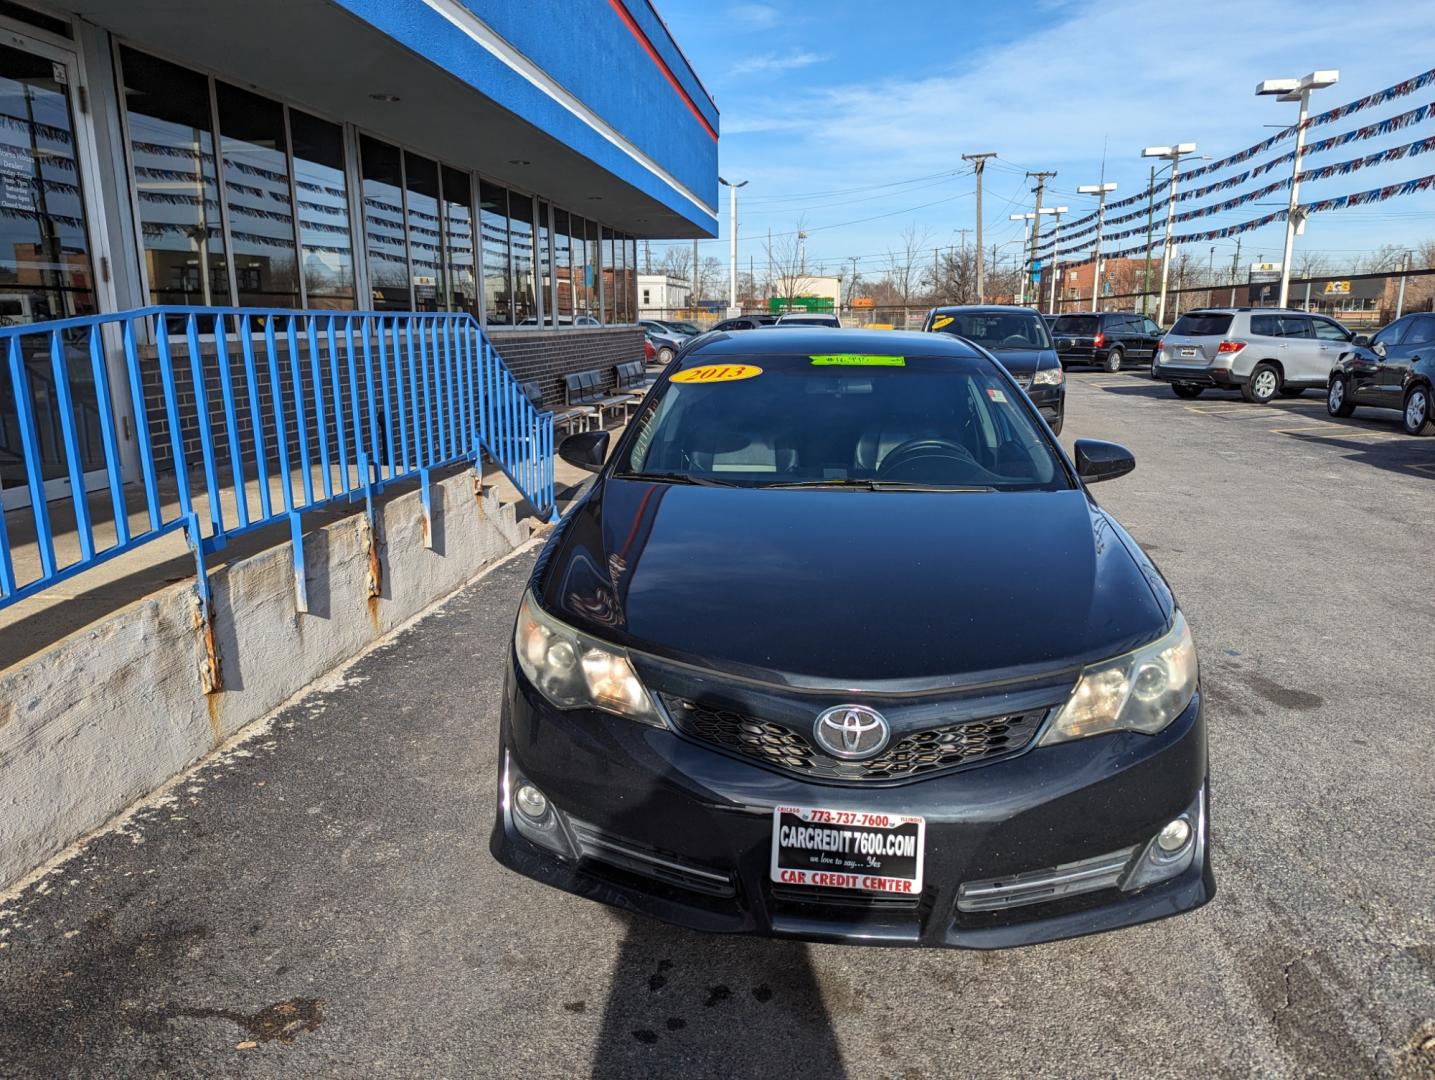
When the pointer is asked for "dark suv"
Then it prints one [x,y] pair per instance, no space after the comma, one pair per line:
[1106,338]
[1395,369]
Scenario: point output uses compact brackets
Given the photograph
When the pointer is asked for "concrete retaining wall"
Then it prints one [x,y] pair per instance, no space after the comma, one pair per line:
[111,713]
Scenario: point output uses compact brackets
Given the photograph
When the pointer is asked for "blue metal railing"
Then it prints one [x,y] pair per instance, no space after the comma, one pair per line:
[251,417]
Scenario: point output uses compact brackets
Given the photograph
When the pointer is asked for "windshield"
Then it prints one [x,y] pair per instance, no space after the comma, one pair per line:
[996,330]
[1202,324]
[1076,324]
[865,422]
[807,320]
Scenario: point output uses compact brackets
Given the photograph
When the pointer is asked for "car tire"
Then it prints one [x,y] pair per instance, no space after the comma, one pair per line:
[1292,391]
[1112,363]
[1417,415]
[1337,398]
[1055,425]
[1265,380]
[665,355]
[1153,368]
[1186,391]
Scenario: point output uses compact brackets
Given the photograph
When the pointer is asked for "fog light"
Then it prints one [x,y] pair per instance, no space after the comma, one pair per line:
[1171,839]
[533,803]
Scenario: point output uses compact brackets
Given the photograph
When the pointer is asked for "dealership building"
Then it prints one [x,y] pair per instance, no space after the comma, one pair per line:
[497,157]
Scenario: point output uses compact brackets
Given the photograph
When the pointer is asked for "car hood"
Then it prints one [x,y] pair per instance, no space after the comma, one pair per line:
[853,588]
[1024,362]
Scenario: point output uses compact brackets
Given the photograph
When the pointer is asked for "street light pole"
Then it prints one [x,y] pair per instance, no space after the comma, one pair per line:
[1099,190]
[1295,90]
[732,308]
[1172,154]
[1055,242]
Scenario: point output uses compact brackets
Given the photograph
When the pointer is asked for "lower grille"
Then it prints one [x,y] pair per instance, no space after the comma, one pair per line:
[636,858]
[918,753]
[1039,886]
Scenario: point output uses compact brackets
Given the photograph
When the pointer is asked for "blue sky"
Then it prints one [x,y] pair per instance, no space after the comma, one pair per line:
[820,99]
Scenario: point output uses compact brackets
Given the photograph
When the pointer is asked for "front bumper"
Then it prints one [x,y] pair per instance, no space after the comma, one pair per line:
[1050,400]
[662,825]
[1079,354]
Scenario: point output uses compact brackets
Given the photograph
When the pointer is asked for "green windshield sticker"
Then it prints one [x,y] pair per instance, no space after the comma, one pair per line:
[858,360]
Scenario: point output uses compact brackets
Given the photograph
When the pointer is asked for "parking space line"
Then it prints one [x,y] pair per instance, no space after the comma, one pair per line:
[1344,433]
[1427,467]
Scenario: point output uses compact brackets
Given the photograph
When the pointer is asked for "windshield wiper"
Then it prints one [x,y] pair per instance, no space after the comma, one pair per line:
[880,485]
[674,478]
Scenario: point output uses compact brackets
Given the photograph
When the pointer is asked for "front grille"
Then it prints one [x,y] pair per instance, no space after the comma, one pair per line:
[636,858]
[918,753]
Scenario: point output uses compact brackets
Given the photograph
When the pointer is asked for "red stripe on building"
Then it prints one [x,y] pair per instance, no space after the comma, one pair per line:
[637,32]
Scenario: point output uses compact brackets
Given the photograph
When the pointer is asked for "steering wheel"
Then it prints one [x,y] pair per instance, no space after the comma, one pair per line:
[1015,339]
[913,454]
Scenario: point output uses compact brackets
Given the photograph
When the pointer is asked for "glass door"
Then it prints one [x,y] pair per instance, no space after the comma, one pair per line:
[46,270]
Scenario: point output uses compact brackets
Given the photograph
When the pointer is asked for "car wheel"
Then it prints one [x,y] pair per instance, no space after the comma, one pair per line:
[1112,363]
[1153,368]
[1292,391]
[1262,385]
[1055,425]
[1337,398]
[1186,390]
[665,355]
[1418,420]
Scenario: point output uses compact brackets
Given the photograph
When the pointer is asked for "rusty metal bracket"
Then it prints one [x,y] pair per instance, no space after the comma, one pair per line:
[427,508]
[370,527]
[210,678]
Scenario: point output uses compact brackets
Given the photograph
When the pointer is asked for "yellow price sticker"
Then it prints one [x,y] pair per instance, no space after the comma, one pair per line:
[716,373]
[943,320]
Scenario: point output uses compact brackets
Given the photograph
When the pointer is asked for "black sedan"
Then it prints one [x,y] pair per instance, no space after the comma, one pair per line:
[1019,338]
[838,646]
[1395,369]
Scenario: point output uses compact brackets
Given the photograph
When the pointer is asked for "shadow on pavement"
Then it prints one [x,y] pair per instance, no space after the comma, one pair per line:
[681,1002]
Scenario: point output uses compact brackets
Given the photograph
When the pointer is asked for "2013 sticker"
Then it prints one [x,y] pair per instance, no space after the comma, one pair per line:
[716,373]
[943,320]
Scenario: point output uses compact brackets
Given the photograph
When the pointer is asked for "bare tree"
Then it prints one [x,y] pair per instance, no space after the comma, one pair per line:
[789,272]
[677,262]
[1382,260]
[906,265]
[712,279]
[1310,264]
[956,281]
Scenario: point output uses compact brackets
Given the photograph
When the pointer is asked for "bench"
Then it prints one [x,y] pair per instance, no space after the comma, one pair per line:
[634,380]
[533,391]
[584,390]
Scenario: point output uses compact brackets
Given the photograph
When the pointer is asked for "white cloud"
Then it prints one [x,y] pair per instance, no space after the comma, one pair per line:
[767,63]
[758,16]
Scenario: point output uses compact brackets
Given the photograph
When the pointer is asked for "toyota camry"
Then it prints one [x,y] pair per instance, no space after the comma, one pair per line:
[838,645]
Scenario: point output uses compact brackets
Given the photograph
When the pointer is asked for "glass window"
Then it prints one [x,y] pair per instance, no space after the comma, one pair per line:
[1150,328]
[1076,324]
[1204,324]
[1421,332]
[998,330]
[458,240]
[425,237]
[176,187]
[326,247]
[1391,334]
[631,262]
[582,270]
[256,184]
[544,254]
[493,222]
[520,224]
[1329,331]
[383,190]
[594,271]
[563,266]
[610,292]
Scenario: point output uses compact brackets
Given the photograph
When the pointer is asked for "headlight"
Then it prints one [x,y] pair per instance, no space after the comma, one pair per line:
[1142,691]
[574,671]
[1051,376]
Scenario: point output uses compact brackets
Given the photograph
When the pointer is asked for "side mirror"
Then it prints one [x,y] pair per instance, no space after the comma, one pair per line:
[1360,339]
[1097,460]
[585,450]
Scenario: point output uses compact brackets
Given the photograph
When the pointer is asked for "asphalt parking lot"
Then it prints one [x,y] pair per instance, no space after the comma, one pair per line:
[321,901]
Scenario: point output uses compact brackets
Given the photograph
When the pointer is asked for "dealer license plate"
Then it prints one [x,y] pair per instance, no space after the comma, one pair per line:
[1188,350]
[847,849]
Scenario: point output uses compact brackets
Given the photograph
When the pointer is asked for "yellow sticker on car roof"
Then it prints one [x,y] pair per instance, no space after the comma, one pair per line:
[943,320]
[857,360]
[715,373]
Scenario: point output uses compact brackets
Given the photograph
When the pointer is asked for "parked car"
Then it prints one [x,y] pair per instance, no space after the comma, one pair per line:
[1107,339]
[1394,369]
[666,341]
[745,322]
[1017,337]
[841,647]
[1260,351]
[809,318]
[682,327]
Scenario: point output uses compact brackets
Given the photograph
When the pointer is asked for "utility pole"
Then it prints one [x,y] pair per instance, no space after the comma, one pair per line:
[1173,154]
[1150,212]
[697,294]
[1041,178]
[979,163]
[647,258]
[936,271]
[1055,242]
[1235,269]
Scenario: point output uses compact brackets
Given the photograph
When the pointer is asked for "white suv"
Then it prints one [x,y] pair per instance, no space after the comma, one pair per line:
[1260,351]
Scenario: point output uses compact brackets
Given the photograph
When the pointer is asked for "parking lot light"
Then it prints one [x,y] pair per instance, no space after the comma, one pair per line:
[1173,154]
[1297,90]
[1101,191]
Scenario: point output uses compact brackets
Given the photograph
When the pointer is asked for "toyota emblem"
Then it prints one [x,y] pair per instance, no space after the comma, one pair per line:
[851,732]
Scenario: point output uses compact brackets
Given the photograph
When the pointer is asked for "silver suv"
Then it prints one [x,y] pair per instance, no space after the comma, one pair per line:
[1260,351]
